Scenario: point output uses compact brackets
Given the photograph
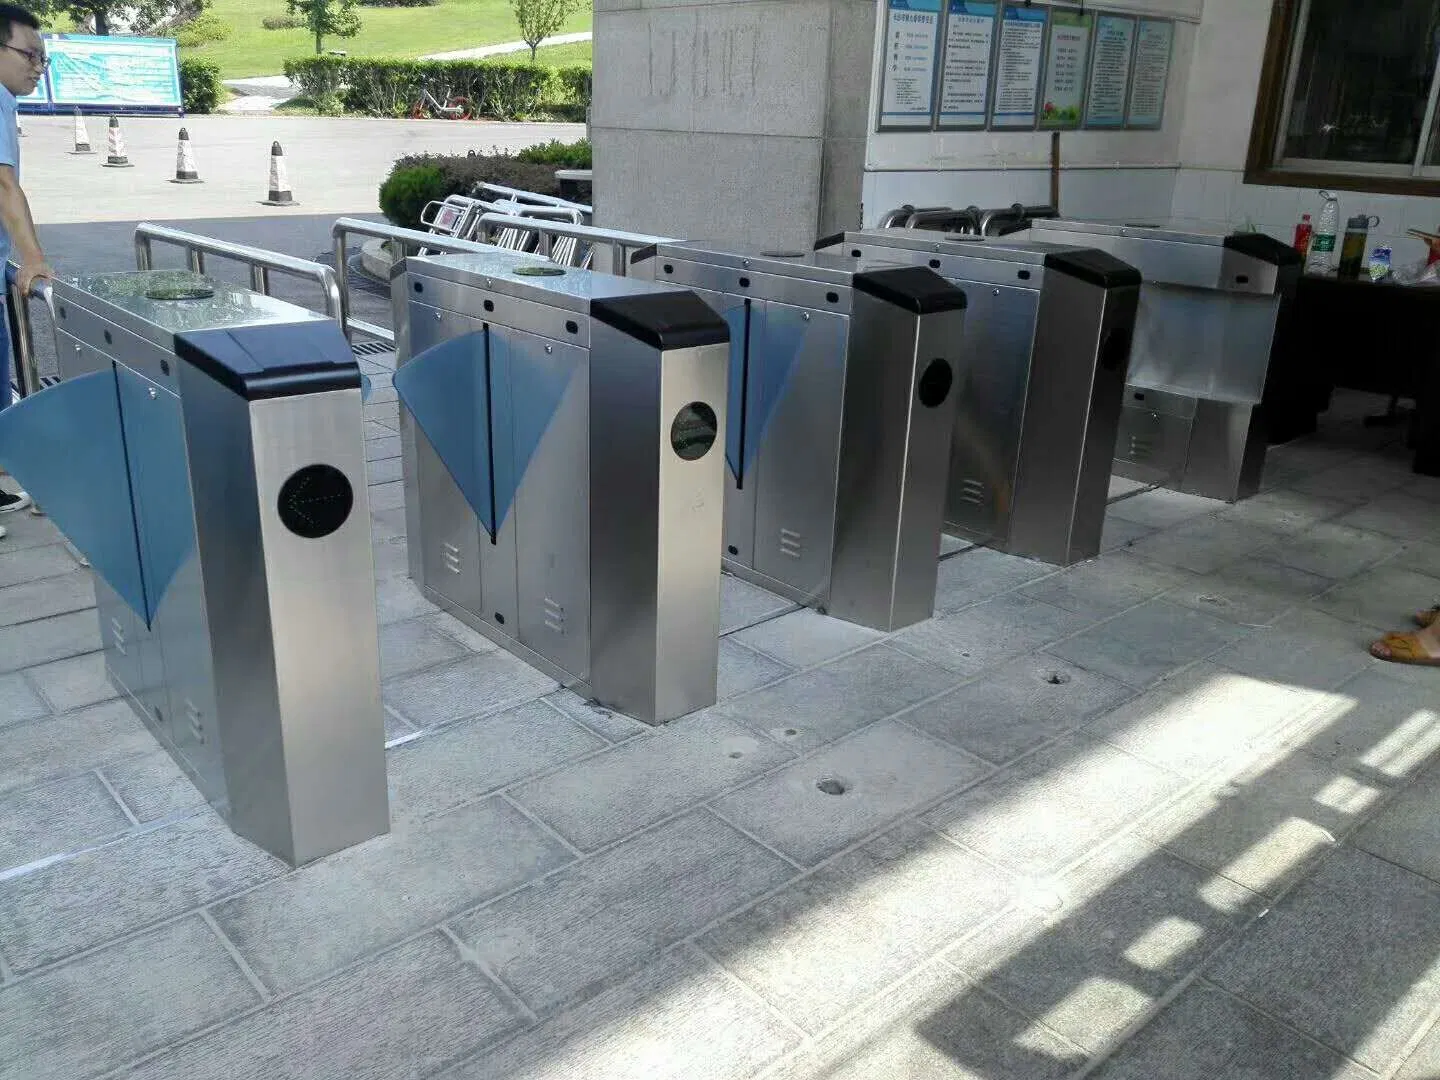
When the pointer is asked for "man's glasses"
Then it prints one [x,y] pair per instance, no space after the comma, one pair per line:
[37,59]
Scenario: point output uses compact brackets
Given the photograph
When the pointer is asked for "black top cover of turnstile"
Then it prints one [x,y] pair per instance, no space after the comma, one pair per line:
[1094,267]
[663,320]
[914,288]
[273,359]
[1262,247]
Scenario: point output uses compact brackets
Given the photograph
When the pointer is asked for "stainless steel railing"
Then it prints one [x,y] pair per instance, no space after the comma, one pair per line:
[614,245]
[27,370]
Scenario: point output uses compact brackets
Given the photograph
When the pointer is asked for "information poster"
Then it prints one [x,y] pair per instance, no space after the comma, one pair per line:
[1110,71]
[1150,73]
[907,96]
[1017,67]
[1065,65]
[965,77]
[113,71]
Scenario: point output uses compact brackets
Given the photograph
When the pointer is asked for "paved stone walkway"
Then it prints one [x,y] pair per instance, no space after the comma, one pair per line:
[1156,817]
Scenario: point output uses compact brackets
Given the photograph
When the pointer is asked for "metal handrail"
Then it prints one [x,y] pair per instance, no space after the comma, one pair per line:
[943,216]
[412,241]
[260,261]
[26,367]
[618,242]
[534,198]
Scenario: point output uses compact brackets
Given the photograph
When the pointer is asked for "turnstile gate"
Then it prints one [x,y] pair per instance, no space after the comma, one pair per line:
[563,444]
[204,450]
[840,419]
[1208,311]
[1047,339]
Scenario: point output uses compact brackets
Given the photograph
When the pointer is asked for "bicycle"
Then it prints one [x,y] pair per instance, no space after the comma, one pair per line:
[456,107]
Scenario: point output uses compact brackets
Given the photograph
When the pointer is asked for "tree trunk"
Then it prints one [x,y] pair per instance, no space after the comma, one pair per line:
[319,41]
[102,22]
[532,51]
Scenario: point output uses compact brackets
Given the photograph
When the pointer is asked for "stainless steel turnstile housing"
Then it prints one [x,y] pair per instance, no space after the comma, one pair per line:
[840,419]
[1208,310]
[1047,339]
[259,670]
[563,445]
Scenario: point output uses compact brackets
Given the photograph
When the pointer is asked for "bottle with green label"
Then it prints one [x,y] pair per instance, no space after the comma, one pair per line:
[1322,243]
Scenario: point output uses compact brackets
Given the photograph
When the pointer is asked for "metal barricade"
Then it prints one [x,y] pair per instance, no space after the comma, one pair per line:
[607,250]
[516,195]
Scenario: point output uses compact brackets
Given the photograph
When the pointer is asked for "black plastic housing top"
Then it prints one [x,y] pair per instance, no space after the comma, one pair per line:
[1262,247]
[915,288]
[1094,267]
[274,359]
[663,320]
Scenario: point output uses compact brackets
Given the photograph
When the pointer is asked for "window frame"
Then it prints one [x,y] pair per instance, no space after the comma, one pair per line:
[1265,165]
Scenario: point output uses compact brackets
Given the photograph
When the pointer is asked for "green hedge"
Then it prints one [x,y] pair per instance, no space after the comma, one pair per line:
[558,155]
[378,87]
[421,178]
[199,85]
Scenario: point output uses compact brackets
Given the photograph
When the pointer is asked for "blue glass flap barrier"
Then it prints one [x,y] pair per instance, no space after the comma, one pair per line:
[765,341]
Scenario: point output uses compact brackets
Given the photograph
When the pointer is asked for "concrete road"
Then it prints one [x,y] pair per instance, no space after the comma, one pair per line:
[335,164]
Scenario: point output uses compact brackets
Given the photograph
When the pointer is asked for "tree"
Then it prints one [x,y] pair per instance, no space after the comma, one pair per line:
[136,16]
[540,19]
[327,18]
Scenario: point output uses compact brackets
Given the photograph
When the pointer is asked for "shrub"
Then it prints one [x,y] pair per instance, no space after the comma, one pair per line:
[319,79]
[418,179]
[558,155]
[201,30]
[379,87]
[398,3]
[405,193]
[199,85]
[283,22]
[575,84]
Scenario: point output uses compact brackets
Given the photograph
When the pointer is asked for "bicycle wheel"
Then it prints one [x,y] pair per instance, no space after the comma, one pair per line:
[418,111]
[459,108]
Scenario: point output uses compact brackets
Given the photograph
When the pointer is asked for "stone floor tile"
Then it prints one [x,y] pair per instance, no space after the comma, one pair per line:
[1100,588]
[1383,729]
[1162,508]
[383,470]
[413,644]
[1424,1062]
[32,564]
[827,703]
[387,525]
[1383,596]
[53,747]
[401,1016]
[825,944]
[1348,957]
[396,727]
[969,641]
[952,545]
[1192,732]
[356,902]
[1121,486]
[398,599]
[805,638]
[979,574]
[1148,642]
[472,687]
[25,531]
[1397,515]
[392,559]
[382,447]
[1265,824]
[1206,1034]
[1304,648]
[467,635]
[935,1026]
[153,786]
[743,604]
[1049,809]
[18,702]
[34,643]
[1093,967]
[679,1019]
[73,684]
[1119,534]
[1407,831]
[608,724]
[743,670]
[57,818]
[375,430]
[1358,480]
[1017,707]
[1250,592]
[120,888]
[885,772]
[1285,512]
[1333,551]
[619,909]
[49,596]
[471,758]
[115,1005]
[603,798]
[1203,546]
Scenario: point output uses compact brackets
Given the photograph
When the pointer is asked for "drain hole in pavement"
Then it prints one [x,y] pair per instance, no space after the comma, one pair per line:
[1057,678]
[831,786]
[791,732]
[736,754]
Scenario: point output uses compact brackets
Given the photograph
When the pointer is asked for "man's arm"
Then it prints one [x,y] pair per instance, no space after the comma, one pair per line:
[20,227]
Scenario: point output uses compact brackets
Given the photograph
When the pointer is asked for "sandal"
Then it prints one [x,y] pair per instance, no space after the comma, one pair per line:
[1403,649]
[1427,617]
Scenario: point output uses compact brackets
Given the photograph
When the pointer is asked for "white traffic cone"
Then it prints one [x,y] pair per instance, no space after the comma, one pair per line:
[185,171]
[82,137]
[280,193]
[115,157]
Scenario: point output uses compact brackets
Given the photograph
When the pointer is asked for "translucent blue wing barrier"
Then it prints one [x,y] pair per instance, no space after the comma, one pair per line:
[159,482]
[776,336]
[538,382]
[66,446]
[447,391]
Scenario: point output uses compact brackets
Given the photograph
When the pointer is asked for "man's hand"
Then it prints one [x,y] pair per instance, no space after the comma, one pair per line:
[30,272]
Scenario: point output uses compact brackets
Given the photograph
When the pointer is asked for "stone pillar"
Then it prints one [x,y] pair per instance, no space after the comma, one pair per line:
[741,121]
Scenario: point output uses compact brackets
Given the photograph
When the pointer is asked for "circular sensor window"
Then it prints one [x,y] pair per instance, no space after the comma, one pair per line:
[315,501]
[693,431]
[935,383]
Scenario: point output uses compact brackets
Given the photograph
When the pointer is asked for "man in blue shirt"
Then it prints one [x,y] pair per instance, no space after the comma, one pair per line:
[22,65]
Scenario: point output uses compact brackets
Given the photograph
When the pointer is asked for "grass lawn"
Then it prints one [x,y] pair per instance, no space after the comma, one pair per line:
[398,32]
[581,52]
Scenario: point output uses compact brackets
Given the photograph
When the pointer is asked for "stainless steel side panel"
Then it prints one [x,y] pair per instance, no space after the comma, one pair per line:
[1203,342]
[1153,440]
[1227,452]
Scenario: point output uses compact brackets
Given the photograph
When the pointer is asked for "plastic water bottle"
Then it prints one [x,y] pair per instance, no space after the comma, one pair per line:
[1322,244]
